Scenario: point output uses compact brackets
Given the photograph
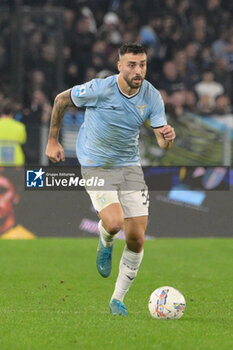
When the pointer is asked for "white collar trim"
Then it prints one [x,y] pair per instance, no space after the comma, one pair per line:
[128,96]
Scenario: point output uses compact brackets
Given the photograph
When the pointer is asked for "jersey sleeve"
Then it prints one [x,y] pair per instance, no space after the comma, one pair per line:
[85,95]
[157,115]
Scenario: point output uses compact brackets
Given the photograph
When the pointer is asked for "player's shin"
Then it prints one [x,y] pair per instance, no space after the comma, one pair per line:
[106,238]
[129,265]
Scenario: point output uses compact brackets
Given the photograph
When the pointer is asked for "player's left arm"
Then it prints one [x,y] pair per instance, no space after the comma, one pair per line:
[165,136]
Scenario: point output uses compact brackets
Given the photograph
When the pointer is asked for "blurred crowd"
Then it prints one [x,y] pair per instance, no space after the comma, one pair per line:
[189,45]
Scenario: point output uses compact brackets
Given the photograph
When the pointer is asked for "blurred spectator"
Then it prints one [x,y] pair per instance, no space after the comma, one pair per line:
[18,106]
[206,59]
[186,66]
[177,100]
[190,104]
[98,61]
[200,31]
[40,109]
[204,106]
[183,12]
[34,118]
[109,31]
[170,81]
[47,64]
[223,112]
[4,66]
[69,19]
[169,36]
[12,137]
[71,71]
[223,47]
[72,75]
[209,87]
[129,36]
[112,59]
[99,47]
[149,39]
[192,75]
[213,13]
[174,104]
[88,15]
[223,75]
[82,44]
[36,81]
[222,105]
[90,74]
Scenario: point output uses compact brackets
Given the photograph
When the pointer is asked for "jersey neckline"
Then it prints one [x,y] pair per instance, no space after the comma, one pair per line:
[122,93]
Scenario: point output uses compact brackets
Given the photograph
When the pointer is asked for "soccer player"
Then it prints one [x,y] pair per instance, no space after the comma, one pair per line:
[116,107]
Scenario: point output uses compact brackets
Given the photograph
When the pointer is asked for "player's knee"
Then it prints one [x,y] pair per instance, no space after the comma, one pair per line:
[113,226]
[140,242]
[136,244]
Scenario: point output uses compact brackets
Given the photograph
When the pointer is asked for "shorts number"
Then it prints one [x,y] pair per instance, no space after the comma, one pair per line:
[145,195]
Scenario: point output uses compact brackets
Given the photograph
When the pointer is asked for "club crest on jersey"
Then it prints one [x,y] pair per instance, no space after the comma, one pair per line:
[81,90]
[141,109]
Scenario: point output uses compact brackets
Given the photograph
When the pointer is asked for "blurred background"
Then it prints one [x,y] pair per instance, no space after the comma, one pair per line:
[47,46]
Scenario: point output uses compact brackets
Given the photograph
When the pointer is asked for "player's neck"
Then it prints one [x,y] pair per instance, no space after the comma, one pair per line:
[125,88]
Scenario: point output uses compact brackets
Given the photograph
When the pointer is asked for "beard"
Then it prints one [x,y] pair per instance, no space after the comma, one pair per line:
[135,82]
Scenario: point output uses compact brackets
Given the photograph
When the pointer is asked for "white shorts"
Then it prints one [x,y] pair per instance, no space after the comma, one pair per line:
[134,201]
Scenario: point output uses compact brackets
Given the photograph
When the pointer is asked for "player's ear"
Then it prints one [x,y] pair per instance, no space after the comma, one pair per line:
[119,66]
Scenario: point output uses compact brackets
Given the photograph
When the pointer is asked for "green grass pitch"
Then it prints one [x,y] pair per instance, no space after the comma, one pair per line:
[51,296]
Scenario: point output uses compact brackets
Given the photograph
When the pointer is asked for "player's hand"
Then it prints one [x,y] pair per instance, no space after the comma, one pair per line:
[168,133]
[55,151]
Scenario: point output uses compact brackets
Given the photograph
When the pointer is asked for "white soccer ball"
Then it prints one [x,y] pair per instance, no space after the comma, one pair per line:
[166,303]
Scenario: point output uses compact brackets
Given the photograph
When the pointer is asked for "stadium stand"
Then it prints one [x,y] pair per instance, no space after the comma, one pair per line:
[49,45]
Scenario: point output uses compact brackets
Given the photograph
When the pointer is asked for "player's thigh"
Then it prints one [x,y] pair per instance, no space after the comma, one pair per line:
[102,199]
[109,209]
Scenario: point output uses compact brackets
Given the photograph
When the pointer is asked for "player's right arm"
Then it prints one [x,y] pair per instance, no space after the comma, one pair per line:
[54,149]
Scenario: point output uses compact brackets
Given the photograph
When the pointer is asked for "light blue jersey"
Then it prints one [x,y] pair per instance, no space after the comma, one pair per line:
[109,135]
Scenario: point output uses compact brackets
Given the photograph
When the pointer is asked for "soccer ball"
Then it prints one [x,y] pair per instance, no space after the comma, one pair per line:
[166,303]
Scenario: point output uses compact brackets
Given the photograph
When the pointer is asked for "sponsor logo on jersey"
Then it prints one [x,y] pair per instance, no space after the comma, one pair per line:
[81,90]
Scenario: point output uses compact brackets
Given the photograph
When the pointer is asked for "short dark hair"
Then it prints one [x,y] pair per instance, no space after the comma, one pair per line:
[134,48]
[7,107]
